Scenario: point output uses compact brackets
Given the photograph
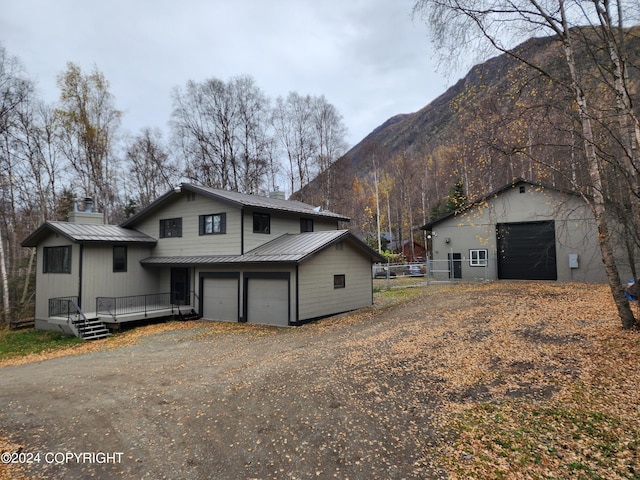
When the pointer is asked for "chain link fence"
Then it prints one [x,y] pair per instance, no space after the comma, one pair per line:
[432,271]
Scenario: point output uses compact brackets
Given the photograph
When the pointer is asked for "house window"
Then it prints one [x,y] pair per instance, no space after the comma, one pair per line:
[57,259]
[478,258]
[120,258]
[338,281]
[306,225]
[171,227]
[261,223]
[213,224]
[522,189]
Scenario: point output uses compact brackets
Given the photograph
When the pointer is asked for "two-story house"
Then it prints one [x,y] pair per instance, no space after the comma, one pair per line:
[219,254]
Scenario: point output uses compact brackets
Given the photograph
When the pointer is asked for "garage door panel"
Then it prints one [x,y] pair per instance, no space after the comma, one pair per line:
[220,299]
[268,301]
[527,251]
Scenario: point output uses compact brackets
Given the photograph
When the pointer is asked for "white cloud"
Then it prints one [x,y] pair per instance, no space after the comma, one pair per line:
[367,57]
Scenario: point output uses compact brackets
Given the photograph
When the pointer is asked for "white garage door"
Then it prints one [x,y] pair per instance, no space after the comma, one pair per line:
[220,299]
[268,301]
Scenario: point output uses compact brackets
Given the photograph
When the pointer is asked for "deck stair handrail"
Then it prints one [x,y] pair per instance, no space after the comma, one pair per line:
[79,317]
[77,321]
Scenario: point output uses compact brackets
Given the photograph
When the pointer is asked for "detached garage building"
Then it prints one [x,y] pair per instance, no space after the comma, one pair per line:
[523,231]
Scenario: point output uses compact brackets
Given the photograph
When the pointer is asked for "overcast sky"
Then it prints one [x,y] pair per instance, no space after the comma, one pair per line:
[367,57]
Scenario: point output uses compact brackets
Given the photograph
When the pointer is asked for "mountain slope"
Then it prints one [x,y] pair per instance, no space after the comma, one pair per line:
[501,121]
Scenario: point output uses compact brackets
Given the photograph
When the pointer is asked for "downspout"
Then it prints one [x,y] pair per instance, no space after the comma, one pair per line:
[242,231]
[80,276]
[297,296]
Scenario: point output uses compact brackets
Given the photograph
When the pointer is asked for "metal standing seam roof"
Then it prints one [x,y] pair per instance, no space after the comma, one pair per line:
[258,201]
[288,248]
[241,200]
[83,233]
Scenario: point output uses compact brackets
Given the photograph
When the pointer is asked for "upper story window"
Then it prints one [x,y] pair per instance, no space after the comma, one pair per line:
[261,223]
[56,259]
[171,227]
[213,224]
[306,225]
[119,258]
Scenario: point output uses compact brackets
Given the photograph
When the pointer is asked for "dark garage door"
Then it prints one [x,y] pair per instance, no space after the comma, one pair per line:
[527,251]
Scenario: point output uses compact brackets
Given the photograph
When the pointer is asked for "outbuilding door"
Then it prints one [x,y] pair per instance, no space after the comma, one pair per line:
[267,300]
[527,251]
[220,298]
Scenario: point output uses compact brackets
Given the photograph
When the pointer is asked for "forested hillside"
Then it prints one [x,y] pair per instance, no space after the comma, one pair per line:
[502,121]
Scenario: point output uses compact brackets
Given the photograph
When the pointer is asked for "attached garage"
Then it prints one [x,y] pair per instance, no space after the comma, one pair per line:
[220,296]
[267,298]
[527,250]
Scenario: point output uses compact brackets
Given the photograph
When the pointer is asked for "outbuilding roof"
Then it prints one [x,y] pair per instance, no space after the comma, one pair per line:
[288,248]
[86,233]
[495,193]
[240,200]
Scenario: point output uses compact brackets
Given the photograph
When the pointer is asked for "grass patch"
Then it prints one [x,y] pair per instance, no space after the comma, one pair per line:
[20,343]
[516,440]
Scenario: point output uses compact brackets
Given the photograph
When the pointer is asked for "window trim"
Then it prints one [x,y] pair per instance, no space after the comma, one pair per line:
[202,223]
[306,225]
[164,222]
[124,260]
[64,262]
[339,281]
[476,260]
[263,218]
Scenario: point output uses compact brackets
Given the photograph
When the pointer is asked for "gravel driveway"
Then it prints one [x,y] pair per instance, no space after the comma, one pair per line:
[253,402]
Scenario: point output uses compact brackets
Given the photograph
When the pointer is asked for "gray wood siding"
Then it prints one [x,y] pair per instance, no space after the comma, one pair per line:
[191,242]
[318,297]
[280,224]
[99,279]
[53,285]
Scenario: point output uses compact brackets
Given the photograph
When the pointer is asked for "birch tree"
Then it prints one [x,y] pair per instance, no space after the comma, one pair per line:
[458,25]
[15,92]
[152,171]
[87,123]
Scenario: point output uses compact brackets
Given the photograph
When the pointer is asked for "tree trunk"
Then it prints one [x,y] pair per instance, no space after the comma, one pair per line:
[5,284]
[598,206]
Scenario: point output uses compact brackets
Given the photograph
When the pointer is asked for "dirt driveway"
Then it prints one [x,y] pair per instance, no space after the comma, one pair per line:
[357,396]
[254,402]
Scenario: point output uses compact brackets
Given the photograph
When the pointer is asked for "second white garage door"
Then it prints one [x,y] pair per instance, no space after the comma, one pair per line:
[220,299]
[268,301]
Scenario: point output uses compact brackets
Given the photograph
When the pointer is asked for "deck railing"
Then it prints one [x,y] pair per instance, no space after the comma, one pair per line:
[133,304]
[62,306]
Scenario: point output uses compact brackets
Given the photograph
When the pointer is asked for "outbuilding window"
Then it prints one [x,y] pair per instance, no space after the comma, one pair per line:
[56,259]
[478,258]
[339,281]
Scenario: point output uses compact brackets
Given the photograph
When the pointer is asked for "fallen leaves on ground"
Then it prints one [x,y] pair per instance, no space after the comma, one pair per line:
[495,380]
